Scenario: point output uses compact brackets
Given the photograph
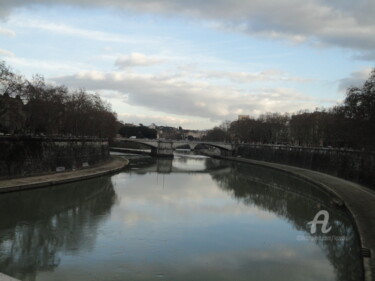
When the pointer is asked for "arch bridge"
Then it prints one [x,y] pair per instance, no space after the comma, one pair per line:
[166,147]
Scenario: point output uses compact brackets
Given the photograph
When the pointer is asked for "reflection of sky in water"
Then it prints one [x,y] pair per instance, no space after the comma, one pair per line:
[189,162]
[183,226]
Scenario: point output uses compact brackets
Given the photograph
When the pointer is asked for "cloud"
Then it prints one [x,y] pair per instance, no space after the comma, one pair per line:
[75,31]
[246,77]
[342,23]
[59,67]
[175,95]
[367,55]
[136,59]
[356,79]
[157,119]
[6,53]
[7,32]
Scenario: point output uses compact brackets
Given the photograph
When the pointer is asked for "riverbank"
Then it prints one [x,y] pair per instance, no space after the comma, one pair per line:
[22,156]
[359,200]
[353,165]
[115,164]
[4,277]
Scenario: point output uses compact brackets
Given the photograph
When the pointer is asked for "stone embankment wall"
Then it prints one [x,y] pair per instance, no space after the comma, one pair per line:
[354,165]
[24,156]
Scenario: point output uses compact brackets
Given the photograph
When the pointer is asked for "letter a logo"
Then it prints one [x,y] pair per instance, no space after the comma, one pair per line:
[323,222]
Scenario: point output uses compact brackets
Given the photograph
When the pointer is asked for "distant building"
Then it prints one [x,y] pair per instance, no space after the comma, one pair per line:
[195,134]
[153,126]
[243,117]
[129,125]
[12,114]
[166,132]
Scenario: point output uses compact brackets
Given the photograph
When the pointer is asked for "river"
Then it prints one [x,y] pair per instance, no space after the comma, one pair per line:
[190,218]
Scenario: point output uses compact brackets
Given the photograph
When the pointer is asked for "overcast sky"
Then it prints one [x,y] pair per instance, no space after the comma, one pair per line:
[194,63]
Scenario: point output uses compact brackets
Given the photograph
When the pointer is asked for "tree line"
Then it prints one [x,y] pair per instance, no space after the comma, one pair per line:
[140,132]
[350,124]
[52,110]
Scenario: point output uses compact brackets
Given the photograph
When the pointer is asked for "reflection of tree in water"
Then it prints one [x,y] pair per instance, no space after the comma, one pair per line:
[36,225]
[213,164]
[298,202]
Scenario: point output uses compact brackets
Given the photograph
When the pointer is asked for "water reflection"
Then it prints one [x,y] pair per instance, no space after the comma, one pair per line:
[181,163]
[36,226]
[192,218]
[298,202]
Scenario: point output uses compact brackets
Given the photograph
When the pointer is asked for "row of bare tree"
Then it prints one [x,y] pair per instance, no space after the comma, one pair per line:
[53,110]
[350,124]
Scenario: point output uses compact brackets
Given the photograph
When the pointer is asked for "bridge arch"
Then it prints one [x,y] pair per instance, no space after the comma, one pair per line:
[225,147]
[166,147]
[158,147]
[149,143]
[193,144]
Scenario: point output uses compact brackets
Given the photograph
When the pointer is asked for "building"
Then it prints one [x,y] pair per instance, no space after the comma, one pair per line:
[129,125]
[166,132]
[243,117]
[153,126]
[172,133]
[195,134]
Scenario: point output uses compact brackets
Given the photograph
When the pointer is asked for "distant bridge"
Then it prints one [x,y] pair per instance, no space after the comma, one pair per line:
[166,147]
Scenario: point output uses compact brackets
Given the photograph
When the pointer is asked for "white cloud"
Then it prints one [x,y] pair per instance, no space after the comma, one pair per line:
[136,59]
[148,119]
[107,49]
[7,32]
[75,31]
[246,77]
[343,23]
[45,64]
[6,53]
[190,98]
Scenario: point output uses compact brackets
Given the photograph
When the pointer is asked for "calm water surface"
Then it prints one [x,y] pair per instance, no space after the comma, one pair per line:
[193,218]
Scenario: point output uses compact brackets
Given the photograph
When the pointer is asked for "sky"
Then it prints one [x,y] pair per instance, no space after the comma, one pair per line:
[193,63]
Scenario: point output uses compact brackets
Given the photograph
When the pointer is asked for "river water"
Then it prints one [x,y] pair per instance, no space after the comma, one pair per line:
[193,218]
